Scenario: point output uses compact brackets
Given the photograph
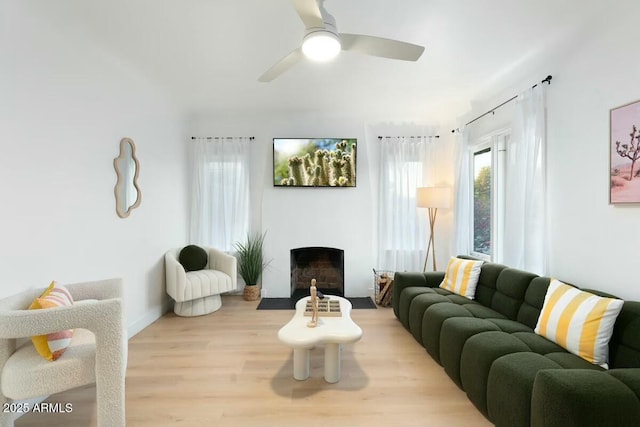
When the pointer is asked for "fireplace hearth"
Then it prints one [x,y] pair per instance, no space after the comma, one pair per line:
[326,265]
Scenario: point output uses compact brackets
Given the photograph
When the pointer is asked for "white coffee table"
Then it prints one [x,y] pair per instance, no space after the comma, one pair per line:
[330,331]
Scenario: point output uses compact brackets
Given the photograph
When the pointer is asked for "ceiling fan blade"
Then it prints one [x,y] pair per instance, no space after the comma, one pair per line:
[309,13]
[377,46]
[281,66]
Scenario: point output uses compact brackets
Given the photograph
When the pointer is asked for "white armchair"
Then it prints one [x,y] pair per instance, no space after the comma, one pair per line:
[97,353]
[198,292]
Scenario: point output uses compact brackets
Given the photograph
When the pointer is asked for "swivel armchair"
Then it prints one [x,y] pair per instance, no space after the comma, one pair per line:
[198,292]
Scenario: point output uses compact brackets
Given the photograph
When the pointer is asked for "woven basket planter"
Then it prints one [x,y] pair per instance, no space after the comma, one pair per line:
[251,293]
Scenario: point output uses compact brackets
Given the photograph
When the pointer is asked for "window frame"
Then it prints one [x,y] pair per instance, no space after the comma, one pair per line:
[497,142]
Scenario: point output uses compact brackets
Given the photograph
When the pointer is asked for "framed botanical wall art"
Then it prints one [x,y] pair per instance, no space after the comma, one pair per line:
[624,154]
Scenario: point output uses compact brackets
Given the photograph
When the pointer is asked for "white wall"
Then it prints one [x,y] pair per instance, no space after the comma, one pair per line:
[297,217]
[343,218]
[65,106]
[331,217]
[593,244]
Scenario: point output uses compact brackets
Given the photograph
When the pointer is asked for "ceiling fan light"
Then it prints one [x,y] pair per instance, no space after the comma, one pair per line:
[321,46]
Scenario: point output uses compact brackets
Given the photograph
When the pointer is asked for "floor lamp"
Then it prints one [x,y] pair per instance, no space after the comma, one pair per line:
[432,198]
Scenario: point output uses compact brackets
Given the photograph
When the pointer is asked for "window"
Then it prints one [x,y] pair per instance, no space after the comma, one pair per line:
[227,185]
[402,239]
[220,192]
[488,167]
[482,166]
[400,208]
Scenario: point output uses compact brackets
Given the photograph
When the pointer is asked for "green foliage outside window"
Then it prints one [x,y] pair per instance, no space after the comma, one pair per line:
[482,211]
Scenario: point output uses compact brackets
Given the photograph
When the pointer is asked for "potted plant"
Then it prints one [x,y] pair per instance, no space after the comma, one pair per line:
[251,263]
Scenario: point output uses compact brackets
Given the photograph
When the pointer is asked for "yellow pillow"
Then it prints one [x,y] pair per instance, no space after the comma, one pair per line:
[52,346]
[461,277]
[579,321]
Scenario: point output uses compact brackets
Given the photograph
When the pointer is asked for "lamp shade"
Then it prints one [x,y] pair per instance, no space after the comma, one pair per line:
[433,197]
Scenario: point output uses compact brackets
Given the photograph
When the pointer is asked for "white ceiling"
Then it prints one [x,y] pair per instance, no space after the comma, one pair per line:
[208,54]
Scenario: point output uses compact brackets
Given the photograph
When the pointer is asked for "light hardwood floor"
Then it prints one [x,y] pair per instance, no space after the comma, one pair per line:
[229,369]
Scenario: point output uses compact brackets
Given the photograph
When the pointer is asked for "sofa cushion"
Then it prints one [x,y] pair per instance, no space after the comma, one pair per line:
[510,326]
[441,291]
[483,312]
[460,300]
[418,306]
[432,322]
[510,385]
[478,354]
[403,279]
[630,377]
[579,321]
[538,344]
[596,399]
[52,346]
[511,287]
[461,277]
[455,332]
[193,258]
[533,301]
[624,347]
[404,302]
[571,361]
[486,287]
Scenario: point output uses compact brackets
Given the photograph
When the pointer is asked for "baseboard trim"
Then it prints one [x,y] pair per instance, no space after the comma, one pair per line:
[150,317]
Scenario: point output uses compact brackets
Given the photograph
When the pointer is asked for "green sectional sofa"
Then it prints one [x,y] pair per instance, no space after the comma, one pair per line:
[515,377]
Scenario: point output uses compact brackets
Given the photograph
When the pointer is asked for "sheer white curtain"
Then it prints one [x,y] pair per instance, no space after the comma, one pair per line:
[526,236]
[461,239]
[220,192]
[402,228]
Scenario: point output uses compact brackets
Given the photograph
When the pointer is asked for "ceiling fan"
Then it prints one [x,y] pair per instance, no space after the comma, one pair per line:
[322,42]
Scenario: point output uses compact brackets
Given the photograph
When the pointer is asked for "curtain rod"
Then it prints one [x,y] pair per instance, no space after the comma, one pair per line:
[419,136]
[493,110]
[251,138]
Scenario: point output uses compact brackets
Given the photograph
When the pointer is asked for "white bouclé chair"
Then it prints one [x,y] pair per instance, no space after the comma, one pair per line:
[97,352]
[198,292]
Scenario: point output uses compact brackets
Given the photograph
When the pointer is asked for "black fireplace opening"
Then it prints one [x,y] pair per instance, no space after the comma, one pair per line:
[326,265]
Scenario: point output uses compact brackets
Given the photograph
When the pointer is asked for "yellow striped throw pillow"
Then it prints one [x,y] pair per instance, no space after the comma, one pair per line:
[462,276]
[579,321]
[53,345]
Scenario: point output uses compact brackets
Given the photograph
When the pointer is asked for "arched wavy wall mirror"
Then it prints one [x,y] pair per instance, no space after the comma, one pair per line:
[128,195]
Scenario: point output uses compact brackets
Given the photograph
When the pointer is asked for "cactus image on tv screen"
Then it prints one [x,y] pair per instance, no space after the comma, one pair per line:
[314,162]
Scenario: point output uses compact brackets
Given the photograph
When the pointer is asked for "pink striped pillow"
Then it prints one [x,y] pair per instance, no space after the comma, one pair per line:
[53,345]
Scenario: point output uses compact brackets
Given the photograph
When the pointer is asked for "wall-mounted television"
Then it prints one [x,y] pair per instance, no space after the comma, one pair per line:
[314,162]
